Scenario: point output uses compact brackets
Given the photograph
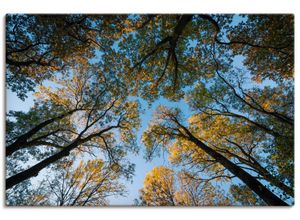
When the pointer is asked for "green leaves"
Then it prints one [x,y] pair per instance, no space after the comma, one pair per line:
[234,71]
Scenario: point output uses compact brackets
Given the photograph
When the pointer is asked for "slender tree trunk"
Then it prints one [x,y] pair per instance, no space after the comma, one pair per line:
[250,181]
[269,177]
[22,140]
[253,163]
[34,170]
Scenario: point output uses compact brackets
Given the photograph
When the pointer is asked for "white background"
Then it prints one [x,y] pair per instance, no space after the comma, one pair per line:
[143,6]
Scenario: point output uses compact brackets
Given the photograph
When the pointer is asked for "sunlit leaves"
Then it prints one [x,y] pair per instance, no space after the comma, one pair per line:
[164,187]
[273,55]
[93,63]
[93,117]
[88,184]
[159,187]
[244,196]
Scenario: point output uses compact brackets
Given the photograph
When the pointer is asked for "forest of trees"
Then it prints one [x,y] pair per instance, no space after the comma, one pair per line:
[88,75]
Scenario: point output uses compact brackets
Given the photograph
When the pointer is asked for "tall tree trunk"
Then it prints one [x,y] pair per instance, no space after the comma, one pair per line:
[34,170]
[22,140]
[253,163]
[272,179]
[250,181]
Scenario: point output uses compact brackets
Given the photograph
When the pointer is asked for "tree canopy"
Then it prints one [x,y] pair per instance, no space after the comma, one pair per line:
[88,74]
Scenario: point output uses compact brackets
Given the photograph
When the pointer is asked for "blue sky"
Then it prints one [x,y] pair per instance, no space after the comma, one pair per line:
[142,166]
[122,6]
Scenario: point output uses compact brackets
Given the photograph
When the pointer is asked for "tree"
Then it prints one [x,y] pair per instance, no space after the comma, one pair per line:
[244,196]
[193,192]
[168,53]
[167,126]
[159,188]
[164,187]
[239,123]
[89,184]
[267,43]
[96,110]
[162,64]
[40,46]
[24,194]
[242,122]
[49,120]
[161,53]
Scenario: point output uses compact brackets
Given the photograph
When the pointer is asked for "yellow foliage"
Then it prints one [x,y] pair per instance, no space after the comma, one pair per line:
[159,187]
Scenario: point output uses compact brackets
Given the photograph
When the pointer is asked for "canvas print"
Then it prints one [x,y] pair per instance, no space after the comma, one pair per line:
[149,110]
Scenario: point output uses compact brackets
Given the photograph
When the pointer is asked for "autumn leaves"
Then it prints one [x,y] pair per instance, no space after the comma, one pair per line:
[239,130]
